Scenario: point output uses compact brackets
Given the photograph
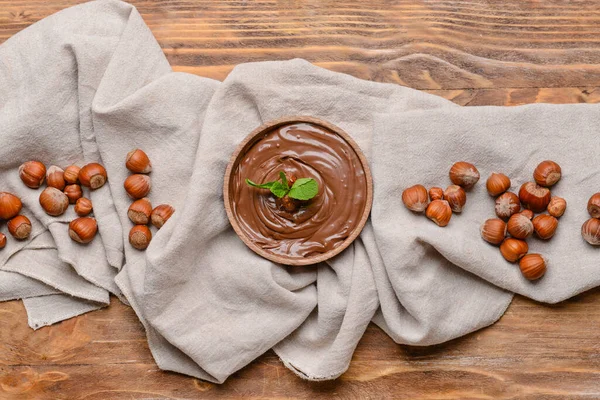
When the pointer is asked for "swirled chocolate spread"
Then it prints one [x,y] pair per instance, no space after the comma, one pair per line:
[301,150]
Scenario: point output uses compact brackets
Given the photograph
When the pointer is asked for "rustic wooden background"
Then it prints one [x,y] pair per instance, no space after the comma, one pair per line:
[473,52]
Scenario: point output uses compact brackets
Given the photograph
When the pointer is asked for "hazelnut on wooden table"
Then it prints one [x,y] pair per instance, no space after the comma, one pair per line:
[33,174]
[10,205]
[19,227]
[464,174]
[415,198]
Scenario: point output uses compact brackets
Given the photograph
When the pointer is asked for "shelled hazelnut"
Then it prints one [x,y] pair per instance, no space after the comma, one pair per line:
[497,184]
[519,226]
[55,177]
[439,211]
[547,173]
[83,230]
[139,212]
[138,162]
[590,230]
[33,174]
[140,237]
[83,206]
[92,175]
[545,226]
[534,197]
[557,206]
[464,174]
[10,205]
[493,231]
[513,249]
[456,197]
[415,198]
[71,174]
[74,193]
[436,193]
[2,240]
[19,227]
[54,202]
[161,214]
[507,204]
[138,186]
[532,266]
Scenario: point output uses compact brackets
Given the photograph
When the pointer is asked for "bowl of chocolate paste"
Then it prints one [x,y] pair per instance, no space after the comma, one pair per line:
[314,230]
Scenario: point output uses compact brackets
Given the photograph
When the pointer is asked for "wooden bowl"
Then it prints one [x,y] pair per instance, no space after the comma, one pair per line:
[247,144]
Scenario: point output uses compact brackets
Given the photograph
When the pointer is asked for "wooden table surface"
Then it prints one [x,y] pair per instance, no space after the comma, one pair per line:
[473,52]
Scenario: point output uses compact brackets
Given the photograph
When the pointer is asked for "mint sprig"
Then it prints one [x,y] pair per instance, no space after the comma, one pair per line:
[301,189]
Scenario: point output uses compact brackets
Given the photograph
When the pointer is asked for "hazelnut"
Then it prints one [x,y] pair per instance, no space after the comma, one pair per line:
[464,174]
[456,197]
[55,177]
[137,186]
[140,237]
[557,206]
[547,173]
[19,227]
[534,197]
[74,193]
[513,249]
[138,162]
[286,203]
[493,231]
[161,214]
[10,205]
[545,226]
[83,206]
[2,240]
[497,184]
[415,198]
[507,204]
[436,193]
[54,202]
[528,213]
[32,174]
[139,211]
[71,174]
[593,205]
[532,266]
[590,230]
[519,226]
[83,230]
[93,176]
[439,211]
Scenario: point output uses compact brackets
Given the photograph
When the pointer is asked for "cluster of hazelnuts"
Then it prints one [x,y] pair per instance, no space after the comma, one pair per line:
[141,212]
[64,187]
[443,202]
[535,198]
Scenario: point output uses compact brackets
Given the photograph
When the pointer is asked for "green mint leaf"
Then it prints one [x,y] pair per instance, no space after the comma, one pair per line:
[279,189]
[283,178]
[304,189]
[267,185]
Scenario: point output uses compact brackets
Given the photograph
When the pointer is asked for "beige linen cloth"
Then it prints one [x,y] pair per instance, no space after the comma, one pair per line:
[90,83]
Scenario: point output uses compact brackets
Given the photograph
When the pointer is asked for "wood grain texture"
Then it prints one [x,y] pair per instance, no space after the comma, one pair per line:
[473,52]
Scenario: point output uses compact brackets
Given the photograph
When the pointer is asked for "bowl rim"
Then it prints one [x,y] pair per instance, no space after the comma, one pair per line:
[249,141]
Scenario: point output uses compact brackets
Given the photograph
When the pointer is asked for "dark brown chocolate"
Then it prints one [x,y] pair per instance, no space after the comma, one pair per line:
[318,225]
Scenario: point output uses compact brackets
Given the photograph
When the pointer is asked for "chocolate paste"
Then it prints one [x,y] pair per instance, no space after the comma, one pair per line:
[303,150]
